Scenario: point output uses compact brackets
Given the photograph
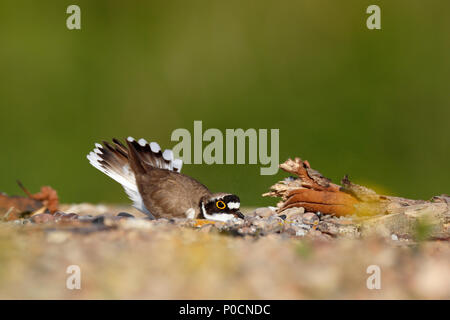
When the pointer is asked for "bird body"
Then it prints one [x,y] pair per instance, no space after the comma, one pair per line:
[153,181]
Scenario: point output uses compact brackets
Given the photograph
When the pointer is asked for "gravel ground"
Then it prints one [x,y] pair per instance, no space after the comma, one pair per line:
[297,255]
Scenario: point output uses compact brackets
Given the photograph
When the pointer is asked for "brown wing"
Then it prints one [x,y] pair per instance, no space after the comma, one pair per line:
[168,194]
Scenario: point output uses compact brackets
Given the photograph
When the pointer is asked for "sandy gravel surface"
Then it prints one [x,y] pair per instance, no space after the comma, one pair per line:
[135,258]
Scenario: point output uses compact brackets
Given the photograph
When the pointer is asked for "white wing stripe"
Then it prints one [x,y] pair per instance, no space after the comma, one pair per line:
[125,176]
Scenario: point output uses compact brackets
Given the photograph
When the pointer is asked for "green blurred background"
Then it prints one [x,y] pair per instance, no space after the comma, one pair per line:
[373,104]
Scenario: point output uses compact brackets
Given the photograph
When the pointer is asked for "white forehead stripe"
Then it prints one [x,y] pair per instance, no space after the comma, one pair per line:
[234,205]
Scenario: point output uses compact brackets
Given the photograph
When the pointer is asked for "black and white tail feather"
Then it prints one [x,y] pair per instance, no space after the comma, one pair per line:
[112,160]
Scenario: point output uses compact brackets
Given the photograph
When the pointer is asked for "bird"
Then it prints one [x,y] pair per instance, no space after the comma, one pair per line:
[153,181]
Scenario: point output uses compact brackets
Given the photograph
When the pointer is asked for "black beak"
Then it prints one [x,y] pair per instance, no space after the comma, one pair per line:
[239,214]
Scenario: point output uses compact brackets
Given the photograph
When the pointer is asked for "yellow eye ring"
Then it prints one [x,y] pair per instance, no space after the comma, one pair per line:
[221,205]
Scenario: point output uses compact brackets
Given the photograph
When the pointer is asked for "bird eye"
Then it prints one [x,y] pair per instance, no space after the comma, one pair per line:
[220,204]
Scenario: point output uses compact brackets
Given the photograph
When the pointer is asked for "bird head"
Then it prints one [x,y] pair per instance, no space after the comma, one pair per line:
[221,207]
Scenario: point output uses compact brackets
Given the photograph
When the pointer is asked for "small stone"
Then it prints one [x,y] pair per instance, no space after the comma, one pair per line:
[260,224]
[58,214]
[290,231]
[250,214]
[317,235]
[70,216]
[65,217]
[298,211]
[275,218]
[294,214]
[303,226]
[86,218]
[206,228]
[42,218]
[345,222]
[282,216]
[125,215]
[296,218]
[310,218]
[328,227]
[251,219]
[264,212]
[327,217]
[141,224]
[99,219]
[21,221]
[247,230]
[61,216]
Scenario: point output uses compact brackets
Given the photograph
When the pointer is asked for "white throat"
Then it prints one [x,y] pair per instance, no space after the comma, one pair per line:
[217,216]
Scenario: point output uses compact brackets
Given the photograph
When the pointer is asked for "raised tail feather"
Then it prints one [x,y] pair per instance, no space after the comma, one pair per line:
[113,160]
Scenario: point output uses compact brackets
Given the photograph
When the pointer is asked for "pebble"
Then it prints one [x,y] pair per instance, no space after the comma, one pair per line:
[275,219]
[19,221]
[295,218]
[42,218]
[327,217]
[61,216]
[263,221]
[125,215]
[251,219]
[328,227]
[206,228]
[294,211]
[70,216]
[294,214]
[247,230]
[290,231]
[141,224]
[264,212]
[261,224]
[100,219]
[86,218]
[316,234]
[310,218]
